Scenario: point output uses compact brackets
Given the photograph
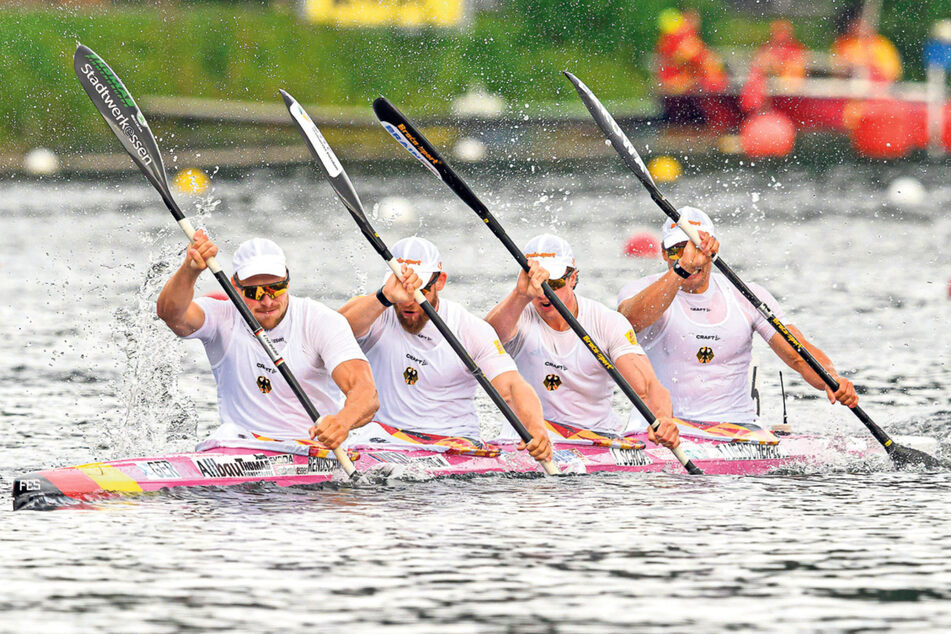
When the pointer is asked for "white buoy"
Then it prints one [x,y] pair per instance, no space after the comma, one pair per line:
[394,209]
[906,191]
[469,149]
[40,162]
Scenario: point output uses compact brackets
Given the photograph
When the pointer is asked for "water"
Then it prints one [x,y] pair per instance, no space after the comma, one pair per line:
[89,374]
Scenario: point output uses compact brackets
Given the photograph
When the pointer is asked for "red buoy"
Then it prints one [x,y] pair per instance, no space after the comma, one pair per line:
[946,136]
[767,134]
[642,245]
[884,131]
[217,295]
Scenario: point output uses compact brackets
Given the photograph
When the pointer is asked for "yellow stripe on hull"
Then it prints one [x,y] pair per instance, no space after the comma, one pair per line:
[110,478]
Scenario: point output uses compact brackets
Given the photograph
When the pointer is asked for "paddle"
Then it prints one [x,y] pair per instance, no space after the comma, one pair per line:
[416,144]
[120,111]
[335,174]
[900,455]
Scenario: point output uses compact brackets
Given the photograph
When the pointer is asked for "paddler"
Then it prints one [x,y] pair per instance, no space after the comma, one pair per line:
[424,387]
[315,341]
[698,330]
[574,388]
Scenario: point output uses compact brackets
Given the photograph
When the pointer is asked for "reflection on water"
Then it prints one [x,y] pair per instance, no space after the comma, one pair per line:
[846,548]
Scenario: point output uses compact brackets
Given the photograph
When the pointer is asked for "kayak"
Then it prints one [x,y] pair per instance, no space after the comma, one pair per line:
[717,448]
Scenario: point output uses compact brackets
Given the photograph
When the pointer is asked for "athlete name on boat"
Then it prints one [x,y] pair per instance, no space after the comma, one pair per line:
[254,466]
[265,368]
[629,457]
[321,465]
[159,470]
[747,451]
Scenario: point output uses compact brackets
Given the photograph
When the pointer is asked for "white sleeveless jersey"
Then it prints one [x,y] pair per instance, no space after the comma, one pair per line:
[252,394]
[573,386]
[422,383]
[701,349]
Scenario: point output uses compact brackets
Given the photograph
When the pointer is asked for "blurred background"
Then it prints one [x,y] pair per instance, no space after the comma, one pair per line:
[760,78]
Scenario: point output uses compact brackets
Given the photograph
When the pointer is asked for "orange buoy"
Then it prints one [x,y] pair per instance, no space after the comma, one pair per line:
[767,134]
[642,245]
[217,295]
[884,131]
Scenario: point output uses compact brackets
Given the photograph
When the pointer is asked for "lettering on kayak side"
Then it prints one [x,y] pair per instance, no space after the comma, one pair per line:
[32,484]
[159,470]
[255,466]
[745,451]
[629,457]
[321,465]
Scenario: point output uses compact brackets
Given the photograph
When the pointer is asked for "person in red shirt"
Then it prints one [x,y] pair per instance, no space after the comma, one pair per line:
[685,63]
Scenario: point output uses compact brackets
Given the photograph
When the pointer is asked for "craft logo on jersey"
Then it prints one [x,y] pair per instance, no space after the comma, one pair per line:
[264,384]
[552,382]
[410,375]
[705,354]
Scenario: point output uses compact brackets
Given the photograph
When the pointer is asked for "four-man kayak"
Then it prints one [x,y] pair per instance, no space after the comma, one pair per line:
[716,448]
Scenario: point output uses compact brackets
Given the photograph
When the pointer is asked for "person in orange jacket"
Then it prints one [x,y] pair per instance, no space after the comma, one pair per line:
[861,52]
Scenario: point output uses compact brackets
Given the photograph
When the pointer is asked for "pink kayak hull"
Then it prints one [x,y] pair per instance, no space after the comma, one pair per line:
[232,466]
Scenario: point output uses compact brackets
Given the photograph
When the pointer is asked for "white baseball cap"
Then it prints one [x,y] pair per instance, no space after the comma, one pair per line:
[419,254]
[671,234]
[553,253]
[258,256]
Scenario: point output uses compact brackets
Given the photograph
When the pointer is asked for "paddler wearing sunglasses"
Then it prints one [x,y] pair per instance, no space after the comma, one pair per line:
[315,341]
[698,330]
[424,387]
[573,387]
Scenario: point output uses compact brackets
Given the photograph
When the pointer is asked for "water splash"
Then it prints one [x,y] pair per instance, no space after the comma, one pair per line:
[159,416]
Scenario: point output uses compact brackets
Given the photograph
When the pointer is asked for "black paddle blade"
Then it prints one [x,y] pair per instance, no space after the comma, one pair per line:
[904,457]
[612,131]
[414,142]
[399,127]
[118,108]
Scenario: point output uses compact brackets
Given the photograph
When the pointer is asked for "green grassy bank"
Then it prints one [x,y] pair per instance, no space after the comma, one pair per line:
[246,52]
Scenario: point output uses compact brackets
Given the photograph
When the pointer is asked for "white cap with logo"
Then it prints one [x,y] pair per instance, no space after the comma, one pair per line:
[258,256]
[419,254]
[671,234]
[553,253]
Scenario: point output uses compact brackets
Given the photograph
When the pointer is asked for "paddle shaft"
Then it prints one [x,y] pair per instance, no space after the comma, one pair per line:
[340,182]
[116,105]
[632,159]
[409,137]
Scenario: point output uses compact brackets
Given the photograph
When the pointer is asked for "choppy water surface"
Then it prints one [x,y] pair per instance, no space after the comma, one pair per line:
[88,374]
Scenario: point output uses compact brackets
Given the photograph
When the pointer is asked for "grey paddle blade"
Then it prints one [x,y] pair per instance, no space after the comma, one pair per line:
[118,108]
[612,130]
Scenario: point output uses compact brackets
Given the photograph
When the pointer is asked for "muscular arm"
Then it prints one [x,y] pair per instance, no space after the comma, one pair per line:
[504,317]
[355,380]
[361,312]
[522,398]
[637,370]
[646,307]
[175,306]
[846,392]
